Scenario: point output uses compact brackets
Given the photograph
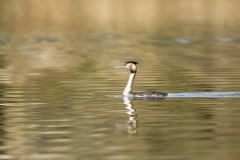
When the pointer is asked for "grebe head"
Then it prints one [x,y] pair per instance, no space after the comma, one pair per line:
[132,65]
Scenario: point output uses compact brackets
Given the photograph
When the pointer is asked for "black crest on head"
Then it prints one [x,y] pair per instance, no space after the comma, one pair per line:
[132,62]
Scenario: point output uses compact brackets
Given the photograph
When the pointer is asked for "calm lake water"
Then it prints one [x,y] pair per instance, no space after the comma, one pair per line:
[59,91]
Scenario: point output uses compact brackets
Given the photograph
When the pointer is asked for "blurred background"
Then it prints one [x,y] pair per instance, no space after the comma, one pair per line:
[108,16]
[58,82]
[51,33]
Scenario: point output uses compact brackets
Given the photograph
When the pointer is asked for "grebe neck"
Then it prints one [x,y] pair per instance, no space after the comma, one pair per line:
[128,88]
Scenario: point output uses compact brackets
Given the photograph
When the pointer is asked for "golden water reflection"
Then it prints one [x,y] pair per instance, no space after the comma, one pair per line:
[57,81]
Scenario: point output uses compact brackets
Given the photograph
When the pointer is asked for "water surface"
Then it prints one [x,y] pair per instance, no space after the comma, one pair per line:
[58,84]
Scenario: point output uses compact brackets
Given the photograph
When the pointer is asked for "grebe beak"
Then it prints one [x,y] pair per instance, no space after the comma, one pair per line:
[121,66]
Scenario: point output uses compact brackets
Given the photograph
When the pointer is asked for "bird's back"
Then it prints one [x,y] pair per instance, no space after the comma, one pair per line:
[148,94]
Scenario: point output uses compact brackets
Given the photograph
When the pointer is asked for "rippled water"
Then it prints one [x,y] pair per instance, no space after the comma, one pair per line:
[60,95]
[58,99]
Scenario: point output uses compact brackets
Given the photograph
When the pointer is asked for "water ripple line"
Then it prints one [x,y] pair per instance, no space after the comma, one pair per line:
[195,95]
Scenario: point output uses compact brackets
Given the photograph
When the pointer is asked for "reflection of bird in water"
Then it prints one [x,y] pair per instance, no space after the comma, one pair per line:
[128,90]
[131,124]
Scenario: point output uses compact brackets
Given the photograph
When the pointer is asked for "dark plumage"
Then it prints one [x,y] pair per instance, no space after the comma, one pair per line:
[148,94]
[132,62]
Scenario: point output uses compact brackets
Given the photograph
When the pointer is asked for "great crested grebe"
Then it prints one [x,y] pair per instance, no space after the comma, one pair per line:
[128,90]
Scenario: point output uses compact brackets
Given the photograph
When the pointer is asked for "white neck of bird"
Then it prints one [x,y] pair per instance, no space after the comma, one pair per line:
[128,88]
